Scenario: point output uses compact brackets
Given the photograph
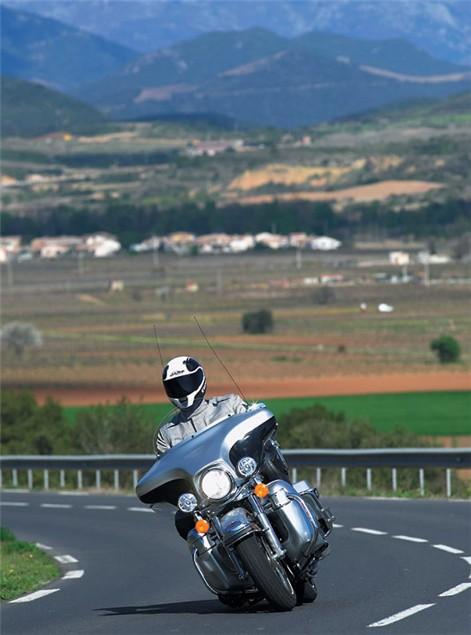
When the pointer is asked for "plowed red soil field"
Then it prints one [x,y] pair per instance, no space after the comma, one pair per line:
[320,386]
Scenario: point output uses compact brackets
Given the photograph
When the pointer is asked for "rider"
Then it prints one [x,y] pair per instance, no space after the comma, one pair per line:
[184,382]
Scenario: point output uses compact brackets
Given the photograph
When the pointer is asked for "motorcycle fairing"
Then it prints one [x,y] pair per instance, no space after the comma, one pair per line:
[174,472]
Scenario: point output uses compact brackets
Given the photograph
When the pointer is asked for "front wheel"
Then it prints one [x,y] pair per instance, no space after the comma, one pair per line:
[268,574]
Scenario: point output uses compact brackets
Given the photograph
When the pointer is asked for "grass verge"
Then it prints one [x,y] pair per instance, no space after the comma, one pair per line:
[24,567]
[425,413]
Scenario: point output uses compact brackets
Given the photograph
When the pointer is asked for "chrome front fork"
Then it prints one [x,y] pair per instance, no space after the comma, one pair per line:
[265,524]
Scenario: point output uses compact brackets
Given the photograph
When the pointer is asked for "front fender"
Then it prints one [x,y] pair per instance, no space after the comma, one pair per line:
[237,524]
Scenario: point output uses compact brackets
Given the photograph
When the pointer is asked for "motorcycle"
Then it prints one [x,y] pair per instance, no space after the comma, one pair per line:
[251,539]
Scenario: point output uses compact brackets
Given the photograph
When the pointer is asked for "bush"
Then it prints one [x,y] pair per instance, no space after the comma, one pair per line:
[446,348]
[104,429]
[324,295]
[258,322]
[28,428]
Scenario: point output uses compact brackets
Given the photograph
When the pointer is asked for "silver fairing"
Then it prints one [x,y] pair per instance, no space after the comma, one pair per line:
[176,470]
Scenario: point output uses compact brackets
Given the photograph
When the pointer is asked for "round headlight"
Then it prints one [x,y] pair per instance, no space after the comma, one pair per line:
[247,466]
[187,503]
[216,484]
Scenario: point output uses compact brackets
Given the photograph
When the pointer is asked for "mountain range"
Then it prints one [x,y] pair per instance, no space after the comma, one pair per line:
[261,78]
[440,27]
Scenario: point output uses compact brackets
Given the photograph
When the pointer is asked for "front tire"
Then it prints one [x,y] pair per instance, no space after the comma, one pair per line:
[269,575]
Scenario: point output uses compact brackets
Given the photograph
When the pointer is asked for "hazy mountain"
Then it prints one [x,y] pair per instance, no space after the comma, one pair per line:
[257,77]
[30,110]
[49,52]
[441,27]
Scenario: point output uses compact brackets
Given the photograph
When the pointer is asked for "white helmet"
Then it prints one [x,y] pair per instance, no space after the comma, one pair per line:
[184,382]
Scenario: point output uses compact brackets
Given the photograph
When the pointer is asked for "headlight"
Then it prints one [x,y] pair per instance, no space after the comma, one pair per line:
[187,503]
[247,466]
[216,484]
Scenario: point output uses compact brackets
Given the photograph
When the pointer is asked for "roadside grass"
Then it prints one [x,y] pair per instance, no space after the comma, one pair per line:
[23,567]
[425,413]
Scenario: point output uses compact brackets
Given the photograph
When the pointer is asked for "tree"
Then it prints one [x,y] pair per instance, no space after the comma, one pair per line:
[446,348]
[324,295]
[258,322]
[18,336]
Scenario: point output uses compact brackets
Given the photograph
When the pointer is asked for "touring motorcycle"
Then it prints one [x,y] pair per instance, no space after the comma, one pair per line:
[251,539]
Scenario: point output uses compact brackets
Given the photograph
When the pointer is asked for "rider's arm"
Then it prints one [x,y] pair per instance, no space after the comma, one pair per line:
[161,443]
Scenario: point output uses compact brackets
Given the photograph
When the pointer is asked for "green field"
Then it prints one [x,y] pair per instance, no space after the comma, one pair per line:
[435,413]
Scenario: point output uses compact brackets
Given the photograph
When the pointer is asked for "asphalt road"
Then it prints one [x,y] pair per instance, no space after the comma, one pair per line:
[138,577]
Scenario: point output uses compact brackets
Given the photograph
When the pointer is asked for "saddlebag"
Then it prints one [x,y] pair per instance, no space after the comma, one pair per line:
[310,496]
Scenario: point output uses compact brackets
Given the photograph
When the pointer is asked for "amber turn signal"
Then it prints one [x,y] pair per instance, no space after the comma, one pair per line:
[202,526]
[261,490]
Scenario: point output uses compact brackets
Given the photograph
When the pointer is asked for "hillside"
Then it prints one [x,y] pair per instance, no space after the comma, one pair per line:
[442,27]
[31,110]
[47,51]
[261,78]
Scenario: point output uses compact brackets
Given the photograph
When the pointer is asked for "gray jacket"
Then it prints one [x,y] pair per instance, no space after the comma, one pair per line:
[185,425]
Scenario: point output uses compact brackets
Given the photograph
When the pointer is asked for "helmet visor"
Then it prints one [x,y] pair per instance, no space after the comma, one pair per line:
[181,387]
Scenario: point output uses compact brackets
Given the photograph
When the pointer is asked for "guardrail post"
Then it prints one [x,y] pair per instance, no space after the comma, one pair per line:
[79,479]
[294,475]
[421,481]
[98,479]
[134,478]
[394,479]
[62,478]
[368,479]
[318,476]
[30,479]
[1,478]
[116,479]
[46,479]
[448,482]
[14,477]
[343,476]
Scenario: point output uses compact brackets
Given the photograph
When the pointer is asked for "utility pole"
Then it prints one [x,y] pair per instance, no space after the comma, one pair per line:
[9,272]
[426,272]
[80,267]
[155,255]
[219,282]
[299,259]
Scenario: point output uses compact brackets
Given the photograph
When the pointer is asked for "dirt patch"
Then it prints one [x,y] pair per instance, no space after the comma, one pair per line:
[372,192]
[321,386]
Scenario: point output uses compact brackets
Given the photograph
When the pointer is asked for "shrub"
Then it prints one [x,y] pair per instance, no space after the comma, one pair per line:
[324,295]
[18,336]
[446,348]
[258,322]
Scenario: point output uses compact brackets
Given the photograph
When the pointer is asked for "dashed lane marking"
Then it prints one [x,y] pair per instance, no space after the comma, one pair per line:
[13,504]
[56,505]
[335,526]
[410,538]
[65,559]
[100,506]
[466,559]
[459,588]
[34,596]
[139,509]
[448,549]
[401,616]
[374,532]
[74,574]
[41,546]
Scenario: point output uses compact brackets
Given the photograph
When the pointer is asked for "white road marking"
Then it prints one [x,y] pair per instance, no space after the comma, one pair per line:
[70,492]
[16,490]
[34,596]
[455,590]
[410,538]
[72,575]
[54,505]
[13,504]
[41,546]
[374,532]
[65,559]
[400,616]
[337,526]
[100,506]
[139,509]
[466,559]
[447,549]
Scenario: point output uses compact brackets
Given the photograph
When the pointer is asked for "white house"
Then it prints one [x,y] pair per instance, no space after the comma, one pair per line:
[102,245]
[325,243]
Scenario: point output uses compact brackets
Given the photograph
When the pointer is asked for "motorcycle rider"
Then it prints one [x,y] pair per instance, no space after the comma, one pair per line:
[185,384]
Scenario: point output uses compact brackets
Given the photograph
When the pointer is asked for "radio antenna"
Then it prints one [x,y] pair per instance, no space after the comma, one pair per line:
[219,359]
[158,345]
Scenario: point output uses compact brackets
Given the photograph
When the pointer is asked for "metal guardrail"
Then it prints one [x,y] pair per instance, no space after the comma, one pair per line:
[394,458]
